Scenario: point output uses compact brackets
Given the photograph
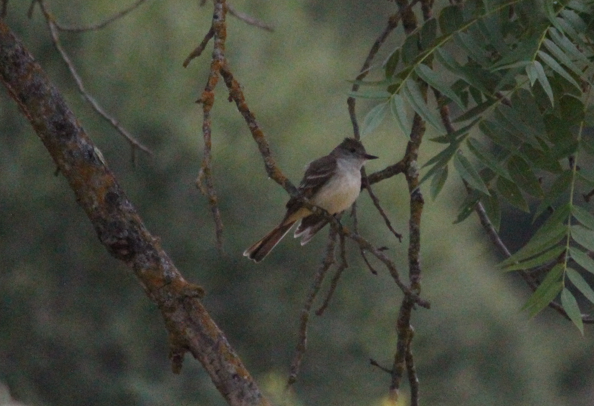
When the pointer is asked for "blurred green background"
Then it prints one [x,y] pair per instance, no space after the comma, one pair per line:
[76,328]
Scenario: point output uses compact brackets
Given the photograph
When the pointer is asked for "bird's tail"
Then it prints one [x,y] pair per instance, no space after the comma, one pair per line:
[259,250]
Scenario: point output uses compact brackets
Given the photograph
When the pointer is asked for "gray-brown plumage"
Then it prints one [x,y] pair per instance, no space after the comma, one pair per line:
[332,182]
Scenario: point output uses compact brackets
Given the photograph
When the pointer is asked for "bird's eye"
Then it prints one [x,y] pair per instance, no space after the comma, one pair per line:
[353,150]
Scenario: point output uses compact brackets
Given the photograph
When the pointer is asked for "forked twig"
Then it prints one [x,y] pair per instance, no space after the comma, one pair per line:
[313,292]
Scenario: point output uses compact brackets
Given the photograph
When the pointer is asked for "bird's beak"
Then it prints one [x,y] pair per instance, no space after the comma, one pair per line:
[367,156]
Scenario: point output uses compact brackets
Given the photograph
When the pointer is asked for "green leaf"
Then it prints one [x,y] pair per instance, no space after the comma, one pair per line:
[475,111]
[536,261]
[574,20]
[582,259]
[398,109]
[568,46]
[572,109]
[583,216]
[542,159]
[563,57]
[371,94]
[492,208]
[512,194]
[526,107]
[583,236]
[531,72]
[544,81]
[486,158]
[522,175]
[522,52]
[581,6]
[467,206]
[511,120]
[538,244]
[558,187]
[572,309]
[444,156]
[410,48]
[473,49]
[374,118]
[546,292]
[554,65]
[558,218]
[438,161]
[469,174]
[438,181]
[447,61]
[450,19]
[413,94]
[392,63]
[499,135]
[436,81]
[428,33]
[580,283]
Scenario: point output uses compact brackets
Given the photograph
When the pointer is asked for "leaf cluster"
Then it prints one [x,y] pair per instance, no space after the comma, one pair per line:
[515,77]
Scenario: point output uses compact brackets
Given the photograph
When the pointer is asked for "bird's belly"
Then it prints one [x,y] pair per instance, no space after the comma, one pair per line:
[338,194]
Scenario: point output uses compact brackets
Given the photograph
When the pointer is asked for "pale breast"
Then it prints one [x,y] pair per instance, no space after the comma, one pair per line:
[341,191]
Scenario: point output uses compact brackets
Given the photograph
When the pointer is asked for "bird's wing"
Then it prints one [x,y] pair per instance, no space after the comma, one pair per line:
[316,175]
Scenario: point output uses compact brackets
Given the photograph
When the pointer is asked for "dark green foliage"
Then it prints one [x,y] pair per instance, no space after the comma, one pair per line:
[77,329]
[528,70]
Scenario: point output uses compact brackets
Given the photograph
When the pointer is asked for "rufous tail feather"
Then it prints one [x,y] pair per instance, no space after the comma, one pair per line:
[259,250]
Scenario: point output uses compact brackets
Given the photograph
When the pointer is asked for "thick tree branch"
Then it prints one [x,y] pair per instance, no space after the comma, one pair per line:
[119,227]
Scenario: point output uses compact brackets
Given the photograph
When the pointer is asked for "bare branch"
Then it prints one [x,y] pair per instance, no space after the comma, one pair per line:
[337,274]
[200,48]
[248,19]
[119,227]
[387,172]
[102,24]
[79,83]
[378,206]
[204,181]
[313,292]
[376,364]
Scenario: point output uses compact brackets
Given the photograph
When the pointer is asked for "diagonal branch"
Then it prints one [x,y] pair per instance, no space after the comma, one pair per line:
[120,228]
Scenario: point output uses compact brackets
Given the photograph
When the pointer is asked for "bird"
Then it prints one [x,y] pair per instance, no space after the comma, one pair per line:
[332,182]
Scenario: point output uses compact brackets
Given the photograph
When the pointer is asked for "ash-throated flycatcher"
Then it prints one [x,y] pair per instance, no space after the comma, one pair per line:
[332,182]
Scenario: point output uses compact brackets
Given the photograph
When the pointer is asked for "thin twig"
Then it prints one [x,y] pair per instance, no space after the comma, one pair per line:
[378,206]
[337,274]
[249,19]
[200,48]
[387,172]
[81,87]
[376,364]
[313,292]
[366,245]
[102,24]
[361,250]
[272,169]
[205,181]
